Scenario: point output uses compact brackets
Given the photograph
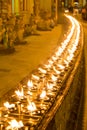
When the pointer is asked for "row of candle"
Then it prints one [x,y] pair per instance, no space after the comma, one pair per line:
[35,96]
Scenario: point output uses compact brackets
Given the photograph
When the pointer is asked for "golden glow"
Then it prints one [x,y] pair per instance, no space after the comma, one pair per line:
[7,105]
[43,94]
[31,107]
[44,81]
[42,70]
[15,125]
[19,93]
[49,86]
[35,77]
[30,84]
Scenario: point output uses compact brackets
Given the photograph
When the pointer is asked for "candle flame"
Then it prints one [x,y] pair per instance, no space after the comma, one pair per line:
[57,71]
[50,62]
[43,94]
[49,85]
[42,70]
[54,78]
[14,124]
[35,77]
[30,84]
[48,66]
[19,93]
[7,105]
[61,66]
[66,62]
[54,58]
[31,106]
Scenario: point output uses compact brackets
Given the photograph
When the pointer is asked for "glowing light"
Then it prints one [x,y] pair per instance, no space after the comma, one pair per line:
[66,62]
[20,94]
[54,78]
[48,66]
[42,70]
[7,105]
[50,62]
[45,79]
[57,71]
[54,58]
[50,86]
[14,124]
[31,106]
[43,94]
[30,84]
[35,77]
[61,66]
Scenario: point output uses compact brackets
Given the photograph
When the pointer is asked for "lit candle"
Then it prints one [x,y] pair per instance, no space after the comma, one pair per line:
[42,70]
[49,86]
[43,94]
[30,84]
[20,94]
[35,77]
[7,105]
[14,125]
[61,66]
[48,66]
[31,107]
[54,78]
[57,71]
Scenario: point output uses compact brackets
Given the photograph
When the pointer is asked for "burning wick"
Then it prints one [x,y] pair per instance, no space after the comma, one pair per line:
[20,94]
[31,107]
[43,94]
[7,105]
[35,77]
[42,70]
[49,86]
[14,125]
[57,71]
[47,66]
[30,84]
[61,66]
[54,78]
[54,58]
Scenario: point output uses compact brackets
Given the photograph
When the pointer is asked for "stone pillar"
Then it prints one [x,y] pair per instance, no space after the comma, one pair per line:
[36,7]
[25,5]
[84,2]
[54,11]
[26,11]
[28,5]
[16,7]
